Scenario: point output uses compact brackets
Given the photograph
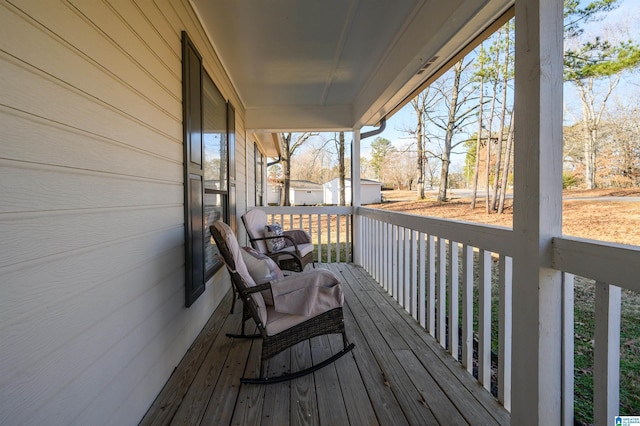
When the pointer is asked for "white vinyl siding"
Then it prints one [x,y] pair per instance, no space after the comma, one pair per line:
[92,316]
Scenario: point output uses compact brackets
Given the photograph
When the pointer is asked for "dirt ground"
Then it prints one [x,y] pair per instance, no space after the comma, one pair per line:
[613,217]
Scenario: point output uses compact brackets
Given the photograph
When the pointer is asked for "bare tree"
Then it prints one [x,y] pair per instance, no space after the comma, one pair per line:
[288,146]
[493,73]
[457,98]
[506,73]
[594,60]
[425,103]
[481,76]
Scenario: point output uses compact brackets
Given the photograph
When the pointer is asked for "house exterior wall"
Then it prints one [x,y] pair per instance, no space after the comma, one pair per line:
[92,316]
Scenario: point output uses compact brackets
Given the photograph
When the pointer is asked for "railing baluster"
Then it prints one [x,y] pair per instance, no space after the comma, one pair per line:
[328,238]
[504,330]
[366,246]
[395,277]
[309,224]
[431,292]
[606,354]
[414,275]
[387,256]
[380,248]
[568,335]
[452,278]
[442,291]
[319,218]
[484,320]
[467,307]
[401,260]
[373,235]
[338,248]
[377,253]
[422,264]
[349,239]
[407,269]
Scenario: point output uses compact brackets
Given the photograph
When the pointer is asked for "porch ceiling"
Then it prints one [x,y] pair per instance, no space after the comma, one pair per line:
[336,64]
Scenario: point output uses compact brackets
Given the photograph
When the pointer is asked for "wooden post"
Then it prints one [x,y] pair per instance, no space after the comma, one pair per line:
[355,197]
[537,288]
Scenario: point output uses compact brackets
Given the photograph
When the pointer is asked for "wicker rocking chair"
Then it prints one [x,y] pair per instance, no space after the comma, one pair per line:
[305,305]
[296,250]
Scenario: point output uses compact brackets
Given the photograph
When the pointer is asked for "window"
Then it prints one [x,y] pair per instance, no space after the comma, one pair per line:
[216,178]
[208,122]
[259,168]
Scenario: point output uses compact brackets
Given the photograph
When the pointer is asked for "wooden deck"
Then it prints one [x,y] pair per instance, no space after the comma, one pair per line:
[397,374]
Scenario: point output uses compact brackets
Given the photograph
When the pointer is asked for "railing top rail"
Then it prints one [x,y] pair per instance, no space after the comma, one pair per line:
[497,239]
[611,263]
[344,210]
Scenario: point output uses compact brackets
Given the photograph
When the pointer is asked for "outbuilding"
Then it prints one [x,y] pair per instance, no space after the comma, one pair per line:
[370,191]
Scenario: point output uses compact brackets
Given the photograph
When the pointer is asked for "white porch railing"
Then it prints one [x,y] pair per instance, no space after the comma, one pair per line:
[451,275]
[441,272]
[330,228]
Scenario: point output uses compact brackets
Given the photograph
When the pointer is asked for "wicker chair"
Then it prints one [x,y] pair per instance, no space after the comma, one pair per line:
[305,305]
[297,252]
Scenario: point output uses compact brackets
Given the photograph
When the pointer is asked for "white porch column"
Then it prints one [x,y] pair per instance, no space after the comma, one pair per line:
[355,197]
[537,289]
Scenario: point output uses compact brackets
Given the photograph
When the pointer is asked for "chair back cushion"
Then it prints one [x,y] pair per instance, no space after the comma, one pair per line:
[262,269]
[254,221]
[232,254]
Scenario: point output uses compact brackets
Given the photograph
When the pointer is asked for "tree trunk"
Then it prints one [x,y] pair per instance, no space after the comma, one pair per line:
[496,64]
[420,146]
[503,115]
[478,142]
[286,170]
[507,165]
[446,157]
[591,123]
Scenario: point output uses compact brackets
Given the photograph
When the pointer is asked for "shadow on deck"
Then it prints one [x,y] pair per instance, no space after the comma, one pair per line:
[397,374]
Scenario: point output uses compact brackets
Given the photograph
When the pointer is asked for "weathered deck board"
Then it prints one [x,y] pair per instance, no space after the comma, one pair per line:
[396,374]
[168,402]
[455,381]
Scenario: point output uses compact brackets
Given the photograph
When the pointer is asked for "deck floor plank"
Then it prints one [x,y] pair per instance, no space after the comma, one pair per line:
[199,396]
[397,374]
[304,407]
[224,397]
[277,398]
[170,398]
[353,390]
[250,398]
[471,399]
[331,409]
[369,319]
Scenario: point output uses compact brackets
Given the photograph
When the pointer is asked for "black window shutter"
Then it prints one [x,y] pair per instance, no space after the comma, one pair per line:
[193,171]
